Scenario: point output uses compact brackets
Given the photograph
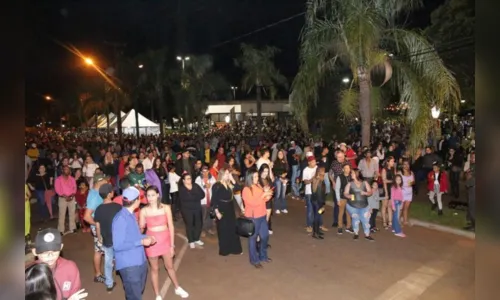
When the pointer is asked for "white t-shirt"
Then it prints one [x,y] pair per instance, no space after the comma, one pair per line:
[262,161]
[308,174]
[199,182]
[173,178]
[147,163]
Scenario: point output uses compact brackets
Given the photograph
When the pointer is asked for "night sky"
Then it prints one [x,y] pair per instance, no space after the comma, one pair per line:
[143,24]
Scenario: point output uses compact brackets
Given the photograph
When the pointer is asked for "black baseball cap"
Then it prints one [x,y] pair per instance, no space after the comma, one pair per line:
[48,240]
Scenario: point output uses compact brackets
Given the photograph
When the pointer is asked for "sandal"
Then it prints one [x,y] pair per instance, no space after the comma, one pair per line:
[385,226]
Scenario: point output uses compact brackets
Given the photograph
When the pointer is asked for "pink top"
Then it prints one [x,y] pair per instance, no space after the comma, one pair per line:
[396,195]
[65,186]
[154,221]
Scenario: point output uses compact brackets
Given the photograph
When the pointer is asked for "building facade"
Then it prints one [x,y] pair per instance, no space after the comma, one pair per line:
[228,111]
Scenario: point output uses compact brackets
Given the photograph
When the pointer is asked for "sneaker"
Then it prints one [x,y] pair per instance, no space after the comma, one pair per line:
[277,212]
[191,245]
[284,211]
[349,230]
[400,234]
[323,228]
[339,231]
[99,279]
[270,232]
[158,298]
[356,237]
[309,229]
[110,289]
[440,212]
[199,243]
[434,206]
[335,225]
[369,238]
[181,292]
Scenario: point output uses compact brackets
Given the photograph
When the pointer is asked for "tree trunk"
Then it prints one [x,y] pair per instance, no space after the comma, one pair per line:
[259,106]
[119,120]
[160,110]
[136,111]
[365,105]
[107,127]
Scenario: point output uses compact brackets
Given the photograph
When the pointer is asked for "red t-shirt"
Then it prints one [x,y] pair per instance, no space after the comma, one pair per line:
[142,198]
[351,154]
[66,278]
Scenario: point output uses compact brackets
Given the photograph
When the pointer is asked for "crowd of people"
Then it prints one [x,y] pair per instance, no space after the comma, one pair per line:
[130,194]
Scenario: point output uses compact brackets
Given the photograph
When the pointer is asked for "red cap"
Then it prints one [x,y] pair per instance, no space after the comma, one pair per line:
[311,158]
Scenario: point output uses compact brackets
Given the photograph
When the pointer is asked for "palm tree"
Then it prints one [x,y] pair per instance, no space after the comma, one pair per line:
[362,36]
[260,72]
[198,85]
[154,79]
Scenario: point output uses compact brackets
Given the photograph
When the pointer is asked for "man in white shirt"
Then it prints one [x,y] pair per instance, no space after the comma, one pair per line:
[307,176]
[149,161]
[264,159]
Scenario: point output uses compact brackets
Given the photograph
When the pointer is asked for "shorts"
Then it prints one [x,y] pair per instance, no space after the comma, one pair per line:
[97,245]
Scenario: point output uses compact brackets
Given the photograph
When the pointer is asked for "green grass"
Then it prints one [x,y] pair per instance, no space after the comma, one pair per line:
[452,218]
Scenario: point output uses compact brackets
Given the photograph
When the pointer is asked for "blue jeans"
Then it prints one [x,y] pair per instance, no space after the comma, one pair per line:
[42,207]
[108,265]
[279,195]
[261,230]
[134,281]
[395,217]
[360,215]
[327,185]
[310,213]
[295,174]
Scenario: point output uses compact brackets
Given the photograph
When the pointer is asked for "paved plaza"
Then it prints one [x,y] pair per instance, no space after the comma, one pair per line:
[426,265]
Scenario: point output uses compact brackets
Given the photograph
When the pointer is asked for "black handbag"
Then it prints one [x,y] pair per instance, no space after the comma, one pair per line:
[245,227]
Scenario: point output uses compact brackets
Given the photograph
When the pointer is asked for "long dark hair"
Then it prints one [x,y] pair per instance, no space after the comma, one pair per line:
[395,184]
[261,170]
[155,188]
[39,279]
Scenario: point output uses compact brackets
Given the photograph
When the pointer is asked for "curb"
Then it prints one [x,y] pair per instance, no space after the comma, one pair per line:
[415,222]
[463,233]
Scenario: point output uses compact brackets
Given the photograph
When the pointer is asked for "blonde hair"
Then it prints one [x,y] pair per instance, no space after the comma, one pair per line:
[220,176]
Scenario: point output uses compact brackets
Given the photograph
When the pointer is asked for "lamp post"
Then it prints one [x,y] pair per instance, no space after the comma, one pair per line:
[234,88]
[435,112]
[183,60]
[346,80]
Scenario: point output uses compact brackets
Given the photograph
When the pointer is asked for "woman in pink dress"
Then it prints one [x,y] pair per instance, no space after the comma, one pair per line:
[408,182]
[156,218]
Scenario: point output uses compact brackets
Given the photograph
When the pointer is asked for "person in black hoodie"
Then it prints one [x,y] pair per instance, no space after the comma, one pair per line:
[454,163]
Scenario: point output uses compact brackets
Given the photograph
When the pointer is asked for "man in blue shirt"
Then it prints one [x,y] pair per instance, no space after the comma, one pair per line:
[128,245]
[93,201]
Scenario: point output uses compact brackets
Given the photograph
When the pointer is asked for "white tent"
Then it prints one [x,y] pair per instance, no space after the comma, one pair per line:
[146,126]
[102,122]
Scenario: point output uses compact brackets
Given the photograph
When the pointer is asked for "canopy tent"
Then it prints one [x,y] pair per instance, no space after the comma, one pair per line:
[102,122]
[146,126]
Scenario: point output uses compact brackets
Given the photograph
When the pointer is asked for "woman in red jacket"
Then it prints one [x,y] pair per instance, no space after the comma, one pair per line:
[437,184]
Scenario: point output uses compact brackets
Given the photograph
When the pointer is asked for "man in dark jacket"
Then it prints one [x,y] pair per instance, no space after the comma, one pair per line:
[470,184]
[185,164]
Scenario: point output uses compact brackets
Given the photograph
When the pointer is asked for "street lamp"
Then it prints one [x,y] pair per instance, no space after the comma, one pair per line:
[435,112]
[346,80]
[462,101]
[227,119]
[234,88]
[89,61]
[48,98]
[140,66]
[183,60]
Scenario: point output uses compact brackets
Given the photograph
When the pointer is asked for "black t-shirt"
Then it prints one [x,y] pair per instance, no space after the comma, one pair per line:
[104,215]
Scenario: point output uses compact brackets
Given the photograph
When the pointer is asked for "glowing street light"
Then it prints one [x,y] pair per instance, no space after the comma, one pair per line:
[462,101]
[140,66]
[234,88]
[183,59]
[227,119]
[48,98]
[346,80]
[89,61]
[435,112]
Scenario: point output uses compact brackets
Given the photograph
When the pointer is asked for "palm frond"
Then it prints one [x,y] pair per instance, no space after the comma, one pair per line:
[348,103]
